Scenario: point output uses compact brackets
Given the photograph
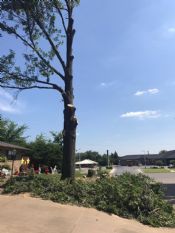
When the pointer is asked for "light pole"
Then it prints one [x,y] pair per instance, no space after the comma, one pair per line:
[148,157]
[107,157]
[144,157]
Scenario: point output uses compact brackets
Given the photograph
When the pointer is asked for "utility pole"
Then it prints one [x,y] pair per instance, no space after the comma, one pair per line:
[144,157]
[148,155]
[107,157]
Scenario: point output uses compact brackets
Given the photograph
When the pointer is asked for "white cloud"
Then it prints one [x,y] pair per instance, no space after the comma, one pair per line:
[171,29]
[107,84]
[103,84]
[8,103]
[141,114]
[4,107]
[6,95]
[149,91]
[138,93]
[153,91]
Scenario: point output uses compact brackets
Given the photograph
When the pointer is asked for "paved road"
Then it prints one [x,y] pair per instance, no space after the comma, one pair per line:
[30,215]
[168,179]
[119,170]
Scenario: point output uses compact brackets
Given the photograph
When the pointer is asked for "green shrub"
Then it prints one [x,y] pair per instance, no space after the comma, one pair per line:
[131,196]
[6,166]
[79,174]
[2,159]
[103,173]
[18,185]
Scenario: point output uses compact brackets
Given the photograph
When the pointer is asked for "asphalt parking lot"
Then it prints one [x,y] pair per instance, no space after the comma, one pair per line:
[167,179]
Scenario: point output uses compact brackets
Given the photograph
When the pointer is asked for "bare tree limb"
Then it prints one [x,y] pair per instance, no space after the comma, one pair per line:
[69,8]
[33,47]
[62,18]
[39,54]
[24,88]
[27,79]
[50,41]
[67,4]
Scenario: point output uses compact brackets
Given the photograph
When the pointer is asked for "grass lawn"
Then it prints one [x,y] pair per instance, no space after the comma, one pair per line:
[79,174]
[157,170]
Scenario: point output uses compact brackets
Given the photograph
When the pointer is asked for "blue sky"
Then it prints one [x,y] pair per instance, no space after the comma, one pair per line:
[124,79]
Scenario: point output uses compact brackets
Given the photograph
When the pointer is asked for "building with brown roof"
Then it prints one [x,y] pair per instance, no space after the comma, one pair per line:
[12,152]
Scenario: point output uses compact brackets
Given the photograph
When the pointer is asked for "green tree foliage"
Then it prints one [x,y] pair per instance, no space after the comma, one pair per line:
[57,138]
[162,152]
[45,152]
[11,132]
[92,155]
[101,159]
[2,159]
[43,27]
[114,158]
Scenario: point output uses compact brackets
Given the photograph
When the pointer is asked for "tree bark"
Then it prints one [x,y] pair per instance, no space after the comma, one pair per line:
[69,141]
[70,121]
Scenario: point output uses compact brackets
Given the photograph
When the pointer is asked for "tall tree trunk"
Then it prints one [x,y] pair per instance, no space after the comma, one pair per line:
[69,140]
[70,121]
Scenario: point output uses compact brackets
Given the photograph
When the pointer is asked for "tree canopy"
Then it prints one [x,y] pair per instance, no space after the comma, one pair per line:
[11,132]
[101,159]
[45,152]
[43,27]
[34,23]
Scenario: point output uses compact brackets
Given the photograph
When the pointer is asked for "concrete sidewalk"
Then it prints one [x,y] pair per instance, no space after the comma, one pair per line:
[31,215]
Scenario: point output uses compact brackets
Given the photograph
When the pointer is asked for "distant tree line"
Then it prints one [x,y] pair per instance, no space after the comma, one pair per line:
[44,151]
[11,132]
[101,159]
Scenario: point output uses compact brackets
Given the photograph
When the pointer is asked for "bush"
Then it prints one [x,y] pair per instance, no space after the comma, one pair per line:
[6,166]
[131,196]
[2,159]
[103,173]
[18,185]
